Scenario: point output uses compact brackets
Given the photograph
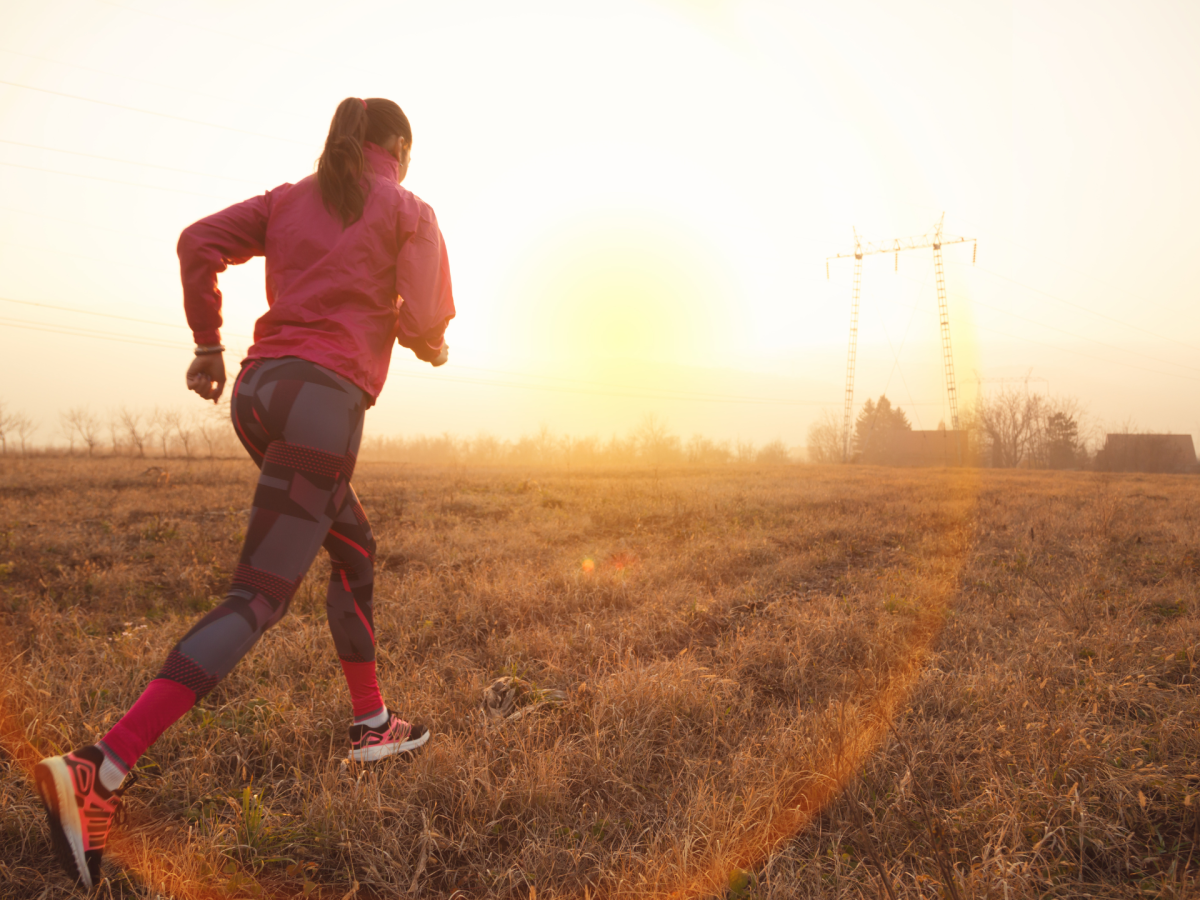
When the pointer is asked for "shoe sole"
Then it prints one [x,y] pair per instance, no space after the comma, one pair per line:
[381,751]
[53,783]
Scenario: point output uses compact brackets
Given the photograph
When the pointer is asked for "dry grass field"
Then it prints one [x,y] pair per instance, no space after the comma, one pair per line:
[780,682]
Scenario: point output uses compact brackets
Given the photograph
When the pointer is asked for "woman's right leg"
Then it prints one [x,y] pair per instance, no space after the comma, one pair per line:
[349,608]
[376,733]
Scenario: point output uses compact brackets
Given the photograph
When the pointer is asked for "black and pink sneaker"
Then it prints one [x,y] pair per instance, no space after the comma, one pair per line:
[79,809]
[394,736]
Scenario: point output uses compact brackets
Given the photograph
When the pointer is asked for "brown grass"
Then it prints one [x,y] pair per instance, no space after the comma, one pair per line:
[781,682]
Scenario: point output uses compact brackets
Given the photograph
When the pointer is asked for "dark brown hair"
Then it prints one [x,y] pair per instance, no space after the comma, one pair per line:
[340,168]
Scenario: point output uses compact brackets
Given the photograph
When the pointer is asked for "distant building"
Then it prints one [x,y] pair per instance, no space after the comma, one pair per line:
[1147,453]
[927,448]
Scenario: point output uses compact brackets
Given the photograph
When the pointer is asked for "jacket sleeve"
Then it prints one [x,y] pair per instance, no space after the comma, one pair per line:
[207,248]
[423,284]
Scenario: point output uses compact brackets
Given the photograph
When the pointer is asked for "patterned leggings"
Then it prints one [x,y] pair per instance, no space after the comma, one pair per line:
[302,425]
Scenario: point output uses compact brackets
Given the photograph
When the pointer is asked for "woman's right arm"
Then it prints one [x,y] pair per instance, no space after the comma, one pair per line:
[423,284]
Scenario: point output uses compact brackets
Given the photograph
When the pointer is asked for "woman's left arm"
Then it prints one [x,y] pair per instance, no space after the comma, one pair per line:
[210,246]
[207,248]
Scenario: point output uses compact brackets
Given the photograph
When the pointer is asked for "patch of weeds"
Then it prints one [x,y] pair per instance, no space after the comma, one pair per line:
[251,822]
[303,871]
[1172,610]
[202,604]
[899,606]
[230,880]
[160,531]
[742,884]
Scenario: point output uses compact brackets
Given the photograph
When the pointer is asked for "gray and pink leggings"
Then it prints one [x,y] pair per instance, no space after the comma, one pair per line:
[302,426]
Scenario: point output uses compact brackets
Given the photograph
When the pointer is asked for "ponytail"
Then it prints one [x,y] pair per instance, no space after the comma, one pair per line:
[340,168]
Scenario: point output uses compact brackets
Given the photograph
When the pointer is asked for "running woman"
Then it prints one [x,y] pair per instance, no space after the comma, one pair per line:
[354,262]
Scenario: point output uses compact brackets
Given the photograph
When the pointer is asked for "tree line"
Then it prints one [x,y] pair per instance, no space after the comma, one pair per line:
[126,432]
[1008,429]
[209,434]
[649,443]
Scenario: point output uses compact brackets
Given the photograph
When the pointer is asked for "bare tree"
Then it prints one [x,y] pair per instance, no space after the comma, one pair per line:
[7,424]
[89,430]
[655,444]
[183,430]
[773,454]
[79,424]
[485,449]
[213,428]
[1057,442]
[135,432]
[826,439]
[1008,425]
[545,445]
[1015,428]
[745,451]
[114,432]
[166,422]
[702,451]
[25,428]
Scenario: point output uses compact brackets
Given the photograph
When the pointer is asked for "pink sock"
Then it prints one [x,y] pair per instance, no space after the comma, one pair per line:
[364,688]
[161,705]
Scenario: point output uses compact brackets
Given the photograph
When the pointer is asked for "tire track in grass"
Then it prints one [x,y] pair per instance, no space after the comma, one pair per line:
[843,755]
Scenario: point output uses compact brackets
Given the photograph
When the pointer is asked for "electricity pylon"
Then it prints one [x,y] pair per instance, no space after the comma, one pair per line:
[935,239]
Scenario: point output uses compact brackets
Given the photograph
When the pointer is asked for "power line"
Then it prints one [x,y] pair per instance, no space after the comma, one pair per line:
[1078,337]
[84,332]
[683,394]
[192,26]
[78,223]
[128,162]
[151,112]
[1063,266]
[1061,349]
[153,187]
[1093,312]
[88,312]
[72,331]
[651,394]
[113,262]
[157,84]
[166,343]
[1055,347]
[631,394]
[1088,355]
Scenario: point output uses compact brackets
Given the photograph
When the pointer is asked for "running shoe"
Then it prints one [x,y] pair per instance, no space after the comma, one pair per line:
[79,809]
[394,736]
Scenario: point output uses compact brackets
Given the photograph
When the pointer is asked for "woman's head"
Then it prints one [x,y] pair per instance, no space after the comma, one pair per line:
[340,168]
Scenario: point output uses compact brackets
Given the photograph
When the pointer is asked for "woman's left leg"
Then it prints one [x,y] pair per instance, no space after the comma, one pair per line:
[302,424]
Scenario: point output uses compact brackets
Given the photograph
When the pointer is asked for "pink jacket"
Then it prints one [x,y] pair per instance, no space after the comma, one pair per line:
[338,297]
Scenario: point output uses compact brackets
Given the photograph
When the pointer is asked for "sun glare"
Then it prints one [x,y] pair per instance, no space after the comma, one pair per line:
[622,285]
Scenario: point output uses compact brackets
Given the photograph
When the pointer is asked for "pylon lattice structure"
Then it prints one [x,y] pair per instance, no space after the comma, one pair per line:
[932,238]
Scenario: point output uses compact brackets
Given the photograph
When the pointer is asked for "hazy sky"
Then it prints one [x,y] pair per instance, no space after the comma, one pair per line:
[638,198]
